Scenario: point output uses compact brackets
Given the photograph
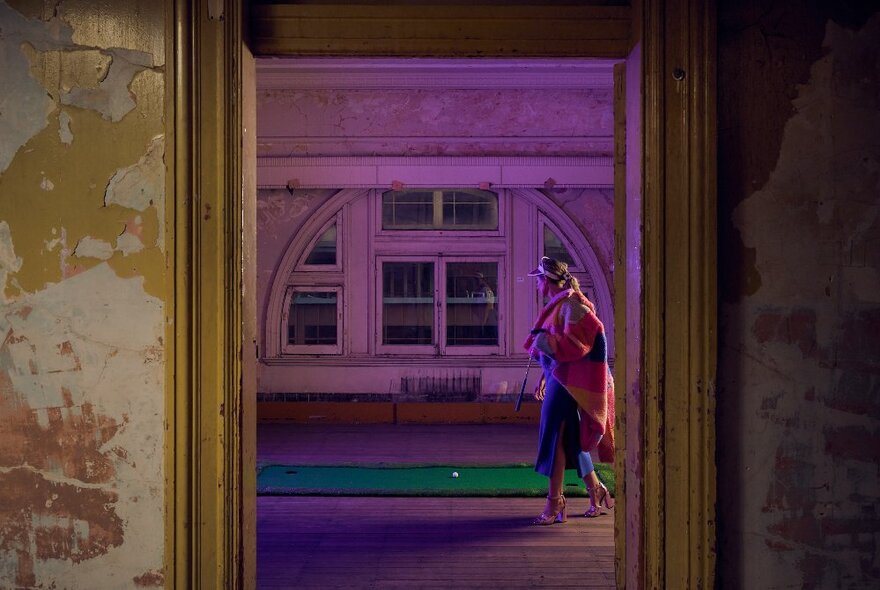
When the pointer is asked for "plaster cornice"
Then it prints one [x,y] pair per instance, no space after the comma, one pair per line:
[373,172]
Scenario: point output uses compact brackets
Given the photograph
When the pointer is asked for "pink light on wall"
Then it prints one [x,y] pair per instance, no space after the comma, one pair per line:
[400,107]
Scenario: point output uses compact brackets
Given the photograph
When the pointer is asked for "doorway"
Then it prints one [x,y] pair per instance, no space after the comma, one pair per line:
[677,468]
[401,204]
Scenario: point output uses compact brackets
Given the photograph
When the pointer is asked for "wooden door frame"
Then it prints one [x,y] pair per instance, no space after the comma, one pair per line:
[210,506]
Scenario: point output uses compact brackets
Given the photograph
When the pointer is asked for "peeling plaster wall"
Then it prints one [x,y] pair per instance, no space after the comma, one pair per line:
[799,367]
[435,122]
[82,282]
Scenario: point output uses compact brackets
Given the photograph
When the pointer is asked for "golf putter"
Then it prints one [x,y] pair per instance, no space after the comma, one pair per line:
[523,390]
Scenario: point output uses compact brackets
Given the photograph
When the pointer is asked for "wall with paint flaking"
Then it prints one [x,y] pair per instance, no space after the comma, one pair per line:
[82,283]
[799,279]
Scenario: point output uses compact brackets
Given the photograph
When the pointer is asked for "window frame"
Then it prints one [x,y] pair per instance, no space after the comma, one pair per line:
[579,270]
[301,265]
[312,349]
[402,349]
[380,230]
[439,347]
[500,298]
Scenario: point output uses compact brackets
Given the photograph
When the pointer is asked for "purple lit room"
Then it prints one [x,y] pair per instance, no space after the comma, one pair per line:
[401,206]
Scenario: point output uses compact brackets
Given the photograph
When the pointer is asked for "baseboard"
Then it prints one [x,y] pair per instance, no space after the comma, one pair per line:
[397,412]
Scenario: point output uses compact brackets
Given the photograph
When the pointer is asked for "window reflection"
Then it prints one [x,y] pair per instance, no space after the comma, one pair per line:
[407,303]
[312,318]
[435,209]
[324,251]
[471,304]
[555,248]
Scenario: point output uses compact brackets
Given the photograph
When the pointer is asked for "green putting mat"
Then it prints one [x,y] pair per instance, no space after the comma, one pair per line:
[419,480]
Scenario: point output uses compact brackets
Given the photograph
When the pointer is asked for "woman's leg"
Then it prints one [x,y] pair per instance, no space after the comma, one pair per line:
[598,492]
[591,480]
[554,508]
[558,474]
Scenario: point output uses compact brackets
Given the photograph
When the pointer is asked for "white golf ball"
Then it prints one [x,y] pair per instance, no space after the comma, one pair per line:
[455,474]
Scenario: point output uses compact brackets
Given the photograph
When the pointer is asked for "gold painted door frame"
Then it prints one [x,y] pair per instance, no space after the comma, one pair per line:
[210,501]
[209,459]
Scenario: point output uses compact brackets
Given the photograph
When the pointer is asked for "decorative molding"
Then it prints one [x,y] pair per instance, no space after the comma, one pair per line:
[393,73]
[373,172]
[283,146]
[513,360]
[315,161]
[680,294]
[211,510]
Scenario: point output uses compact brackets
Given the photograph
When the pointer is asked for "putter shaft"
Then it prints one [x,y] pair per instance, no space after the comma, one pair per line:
[522,391]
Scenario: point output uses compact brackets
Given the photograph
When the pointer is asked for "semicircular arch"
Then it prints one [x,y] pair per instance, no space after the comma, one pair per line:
[293,252]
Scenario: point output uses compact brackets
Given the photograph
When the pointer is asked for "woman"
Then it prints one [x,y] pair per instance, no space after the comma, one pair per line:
[577,415]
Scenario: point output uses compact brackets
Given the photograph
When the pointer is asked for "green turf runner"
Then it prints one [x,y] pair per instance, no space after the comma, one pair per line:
[421,480]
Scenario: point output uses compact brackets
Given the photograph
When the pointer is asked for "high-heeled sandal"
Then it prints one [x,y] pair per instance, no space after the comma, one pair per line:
[554,511]
[598,496]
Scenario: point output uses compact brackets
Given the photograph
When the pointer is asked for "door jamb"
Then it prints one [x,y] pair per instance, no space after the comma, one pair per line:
[206,495]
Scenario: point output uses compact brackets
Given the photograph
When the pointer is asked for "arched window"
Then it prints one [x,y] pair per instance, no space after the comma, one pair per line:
[434,275]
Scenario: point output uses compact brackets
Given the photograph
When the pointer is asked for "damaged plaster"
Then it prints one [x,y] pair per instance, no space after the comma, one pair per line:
[81,379]
[28,100]
[112,98]
[9,262]
[142,185]
[89,247]
[82,357]
[26,105]
[800,352]
[64,132]
[129,243]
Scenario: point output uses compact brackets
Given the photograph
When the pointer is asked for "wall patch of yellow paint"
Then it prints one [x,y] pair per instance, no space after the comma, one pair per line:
[64,70]
[132,24]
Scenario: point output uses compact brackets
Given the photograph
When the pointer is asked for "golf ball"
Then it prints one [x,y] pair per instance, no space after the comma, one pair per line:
[455,474]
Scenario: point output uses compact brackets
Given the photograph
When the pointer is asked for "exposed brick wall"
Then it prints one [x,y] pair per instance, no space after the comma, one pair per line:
[799,367]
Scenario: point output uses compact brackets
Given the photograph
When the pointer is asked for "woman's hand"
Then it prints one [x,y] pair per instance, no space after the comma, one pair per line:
[539,390]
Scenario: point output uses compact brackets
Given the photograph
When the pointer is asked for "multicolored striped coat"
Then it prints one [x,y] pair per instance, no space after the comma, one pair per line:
[575,340]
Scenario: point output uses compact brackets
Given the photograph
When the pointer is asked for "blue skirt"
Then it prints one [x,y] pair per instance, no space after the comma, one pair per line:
[560,408]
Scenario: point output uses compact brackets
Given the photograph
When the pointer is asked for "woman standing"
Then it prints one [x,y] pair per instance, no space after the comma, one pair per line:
[577,415]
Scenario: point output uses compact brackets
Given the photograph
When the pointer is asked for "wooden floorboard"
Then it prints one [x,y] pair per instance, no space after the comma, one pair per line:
[386,542]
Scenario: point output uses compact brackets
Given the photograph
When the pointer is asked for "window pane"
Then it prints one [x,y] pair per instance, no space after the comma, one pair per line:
[324,251]
[435,209]
[554,248]
[471,304]
[312,318]
[470,210]
[408,209]
[407,303]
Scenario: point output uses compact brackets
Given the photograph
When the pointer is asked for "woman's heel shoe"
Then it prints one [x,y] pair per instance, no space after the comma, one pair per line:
[599,496]
[554,511]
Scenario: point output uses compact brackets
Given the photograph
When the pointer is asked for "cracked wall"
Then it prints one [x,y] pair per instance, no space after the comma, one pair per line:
[799,273]
[435,122]
[82,281]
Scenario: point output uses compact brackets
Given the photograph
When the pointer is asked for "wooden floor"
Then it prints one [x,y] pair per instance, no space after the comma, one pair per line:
[357,542]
